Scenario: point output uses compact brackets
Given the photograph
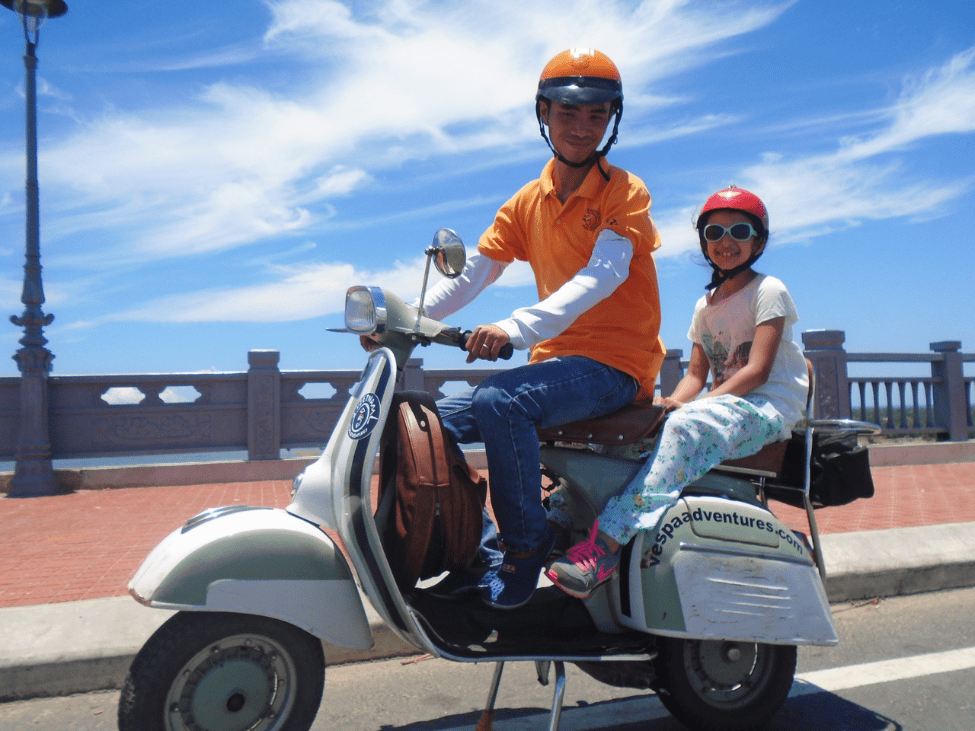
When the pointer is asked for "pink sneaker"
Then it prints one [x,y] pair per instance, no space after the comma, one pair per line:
[584,567]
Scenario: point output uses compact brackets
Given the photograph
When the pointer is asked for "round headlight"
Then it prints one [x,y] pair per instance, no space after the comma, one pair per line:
[365,310]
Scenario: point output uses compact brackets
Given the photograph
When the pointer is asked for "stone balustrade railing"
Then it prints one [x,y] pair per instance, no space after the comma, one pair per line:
[264,410]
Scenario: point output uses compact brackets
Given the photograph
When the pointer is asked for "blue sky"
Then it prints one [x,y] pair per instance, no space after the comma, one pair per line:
[215,175]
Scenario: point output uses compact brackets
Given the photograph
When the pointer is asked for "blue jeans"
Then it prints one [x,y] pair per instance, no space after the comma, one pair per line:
[504,411]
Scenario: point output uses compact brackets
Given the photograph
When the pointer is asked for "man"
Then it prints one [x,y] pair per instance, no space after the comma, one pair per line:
[585,229]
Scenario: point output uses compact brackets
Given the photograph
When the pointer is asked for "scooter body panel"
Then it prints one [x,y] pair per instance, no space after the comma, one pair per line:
[722,569]
[336,491]
[592,478]
[256,561]
[719,566]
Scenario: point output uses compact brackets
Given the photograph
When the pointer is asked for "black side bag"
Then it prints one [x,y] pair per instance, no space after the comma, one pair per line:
[839,472]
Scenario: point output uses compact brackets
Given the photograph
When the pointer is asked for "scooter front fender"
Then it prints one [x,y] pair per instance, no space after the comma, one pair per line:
[256,561]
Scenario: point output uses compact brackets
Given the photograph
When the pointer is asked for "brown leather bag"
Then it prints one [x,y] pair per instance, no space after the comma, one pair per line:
[435,521]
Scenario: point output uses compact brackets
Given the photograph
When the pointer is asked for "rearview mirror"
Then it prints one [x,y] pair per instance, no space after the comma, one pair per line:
[449,255]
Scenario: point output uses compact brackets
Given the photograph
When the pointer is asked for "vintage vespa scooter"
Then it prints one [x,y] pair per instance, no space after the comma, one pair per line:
[707,611]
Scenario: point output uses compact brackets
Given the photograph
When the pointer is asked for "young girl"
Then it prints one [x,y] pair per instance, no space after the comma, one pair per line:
[742,335]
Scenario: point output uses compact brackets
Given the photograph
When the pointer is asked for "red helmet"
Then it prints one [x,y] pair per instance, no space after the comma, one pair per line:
[736,199]
[733,198]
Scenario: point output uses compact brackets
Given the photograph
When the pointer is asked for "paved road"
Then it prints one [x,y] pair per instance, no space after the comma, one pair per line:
[905,664]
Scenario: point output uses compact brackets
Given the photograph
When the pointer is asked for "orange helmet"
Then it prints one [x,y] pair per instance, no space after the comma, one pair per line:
[581,76]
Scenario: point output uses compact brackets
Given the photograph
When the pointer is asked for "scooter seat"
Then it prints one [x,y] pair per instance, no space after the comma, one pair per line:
[770,458]
[626,426]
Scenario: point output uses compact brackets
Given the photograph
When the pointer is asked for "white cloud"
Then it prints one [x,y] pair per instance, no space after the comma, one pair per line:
[242,160]
[298,293]
[861,179]
[389,82]
[311,291]
[808,196]
[941,102]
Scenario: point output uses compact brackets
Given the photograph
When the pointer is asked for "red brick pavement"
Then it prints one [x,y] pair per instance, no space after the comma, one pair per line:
[87,545]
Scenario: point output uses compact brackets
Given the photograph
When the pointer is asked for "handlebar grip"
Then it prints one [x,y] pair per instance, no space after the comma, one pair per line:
[505,353]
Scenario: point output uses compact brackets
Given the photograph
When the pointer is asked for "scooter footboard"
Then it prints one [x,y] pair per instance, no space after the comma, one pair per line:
[256,561]
[722,569]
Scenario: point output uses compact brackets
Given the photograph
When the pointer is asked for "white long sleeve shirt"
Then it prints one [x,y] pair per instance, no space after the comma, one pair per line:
[607,269]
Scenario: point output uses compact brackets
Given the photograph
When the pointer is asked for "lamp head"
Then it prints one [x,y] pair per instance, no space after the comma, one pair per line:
[39,9]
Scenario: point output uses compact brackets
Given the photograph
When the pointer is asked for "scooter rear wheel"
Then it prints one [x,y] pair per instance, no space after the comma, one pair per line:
[226,671]
[716,685]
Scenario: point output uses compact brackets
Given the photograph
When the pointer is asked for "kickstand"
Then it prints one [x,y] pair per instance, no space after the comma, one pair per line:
[541,670]
[487,718]
[557,696]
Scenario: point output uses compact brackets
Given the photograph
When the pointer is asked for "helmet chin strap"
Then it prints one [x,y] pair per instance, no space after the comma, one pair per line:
[595,156]
[719,275]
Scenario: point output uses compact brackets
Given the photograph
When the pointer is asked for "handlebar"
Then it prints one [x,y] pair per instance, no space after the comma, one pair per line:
[504,354]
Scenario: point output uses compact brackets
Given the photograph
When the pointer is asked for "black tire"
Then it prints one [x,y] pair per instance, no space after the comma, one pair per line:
[716,685]
[231,671]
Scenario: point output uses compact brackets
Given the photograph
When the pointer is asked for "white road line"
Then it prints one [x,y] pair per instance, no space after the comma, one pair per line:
[647,707]
[885,671]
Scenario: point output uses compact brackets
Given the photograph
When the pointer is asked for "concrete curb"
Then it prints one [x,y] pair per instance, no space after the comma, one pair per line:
[894,455]
[104,635]
[899,561]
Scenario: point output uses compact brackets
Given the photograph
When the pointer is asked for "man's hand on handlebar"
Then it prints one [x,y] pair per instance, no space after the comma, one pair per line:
[486,342]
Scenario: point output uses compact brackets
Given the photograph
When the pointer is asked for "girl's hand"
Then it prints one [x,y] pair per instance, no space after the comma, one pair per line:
[671,404]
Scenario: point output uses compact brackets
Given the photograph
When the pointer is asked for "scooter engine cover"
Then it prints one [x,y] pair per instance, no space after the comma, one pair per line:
[722,569]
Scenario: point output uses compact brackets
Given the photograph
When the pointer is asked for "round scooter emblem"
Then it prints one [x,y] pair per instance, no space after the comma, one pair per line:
[365,417]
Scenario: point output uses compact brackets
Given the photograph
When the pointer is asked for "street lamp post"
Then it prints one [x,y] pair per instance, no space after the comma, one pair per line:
[33,475]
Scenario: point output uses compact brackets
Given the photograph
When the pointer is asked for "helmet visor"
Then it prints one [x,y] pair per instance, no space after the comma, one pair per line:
[580,89]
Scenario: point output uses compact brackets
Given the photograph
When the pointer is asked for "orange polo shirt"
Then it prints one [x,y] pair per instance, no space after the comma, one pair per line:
[623,330]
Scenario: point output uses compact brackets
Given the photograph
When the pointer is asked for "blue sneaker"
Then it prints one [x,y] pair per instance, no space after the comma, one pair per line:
[458,584]
[512,584]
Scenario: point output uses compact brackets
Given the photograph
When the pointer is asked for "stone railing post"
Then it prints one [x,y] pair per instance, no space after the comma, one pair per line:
[949,391]
[825,349]
[263,405]
[670,371]
[413,376]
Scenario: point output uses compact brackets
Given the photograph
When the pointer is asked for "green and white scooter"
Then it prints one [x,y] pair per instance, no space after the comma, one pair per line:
[706,612]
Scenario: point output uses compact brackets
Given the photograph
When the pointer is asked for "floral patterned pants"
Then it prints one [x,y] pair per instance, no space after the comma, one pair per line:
[694,439]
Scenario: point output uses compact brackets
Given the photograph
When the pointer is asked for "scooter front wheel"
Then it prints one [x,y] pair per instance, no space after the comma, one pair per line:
[717,685]
[214,670]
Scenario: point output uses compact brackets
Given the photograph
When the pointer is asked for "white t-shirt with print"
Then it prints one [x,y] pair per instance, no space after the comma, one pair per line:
[726,331]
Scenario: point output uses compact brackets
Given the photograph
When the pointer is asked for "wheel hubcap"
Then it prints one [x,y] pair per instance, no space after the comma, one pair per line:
[240,683]
[726,674]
